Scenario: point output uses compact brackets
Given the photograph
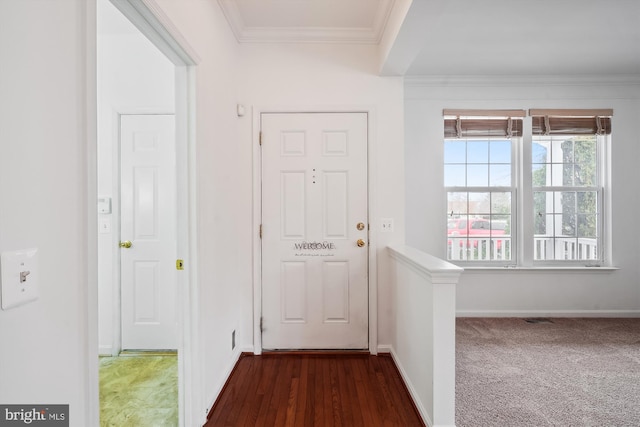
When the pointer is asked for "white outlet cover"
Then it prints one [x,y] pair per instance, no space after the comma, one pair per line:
[12,264]
[386,225]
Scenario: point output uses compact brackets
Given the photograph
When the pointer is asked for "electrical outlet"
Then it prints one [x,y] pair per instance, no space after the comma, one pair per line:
[386,224]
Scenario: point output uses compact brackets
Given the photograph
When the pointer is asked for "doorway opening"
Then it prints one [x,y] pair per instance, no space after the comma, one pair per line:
[145,332]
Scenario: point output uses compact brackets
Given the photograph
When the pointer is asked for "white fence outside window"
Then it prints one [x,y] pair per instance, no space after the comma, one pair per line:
[499,248]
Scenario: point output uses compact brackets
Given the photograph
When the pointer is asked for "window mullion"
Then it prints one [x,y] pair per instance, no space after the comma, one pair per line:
[604,179]
[524,206]
[600,229]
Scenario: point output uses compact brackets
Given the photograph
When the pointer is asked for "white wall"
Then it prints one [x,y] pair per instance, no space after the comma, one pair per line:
[46,346]
[317,77]
[133,77]
[219,199]
[491,292]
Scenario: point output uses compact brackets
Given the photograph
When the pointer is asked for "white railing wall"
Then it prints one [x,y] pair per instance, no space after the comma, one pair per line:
[424,331]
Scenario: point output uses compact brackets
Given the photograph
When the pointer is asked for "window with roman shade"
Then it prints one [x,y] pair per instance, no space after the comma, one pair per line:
[526,190]
[479,148]
[567,183]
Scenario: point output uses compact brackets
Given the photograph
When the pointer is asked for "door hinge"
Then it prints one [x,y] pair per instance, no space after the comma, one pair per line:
[260,231]
[260,138]
[261,329]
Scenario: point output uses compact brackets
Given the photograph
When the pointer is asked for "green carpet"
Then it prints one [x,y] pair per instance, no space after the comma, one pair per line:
[139,391]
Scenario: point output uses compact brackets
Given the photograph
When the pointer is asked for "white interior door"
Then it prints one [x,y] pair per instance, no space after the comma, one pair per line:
[314,192]
[148,223]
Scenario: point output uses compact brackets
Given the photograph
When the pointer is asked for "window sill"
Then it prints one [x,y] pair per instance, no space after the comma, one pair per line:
[576,268]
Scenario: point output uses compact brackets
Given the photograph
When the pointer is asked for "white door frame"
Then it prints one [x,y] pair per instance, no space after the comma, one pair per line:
[257,215]
[149,18]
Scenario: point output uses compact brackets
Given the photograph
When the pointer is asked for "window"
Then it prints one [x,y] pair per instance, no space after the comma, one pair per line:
[561,208]
[480,183]
[567,181]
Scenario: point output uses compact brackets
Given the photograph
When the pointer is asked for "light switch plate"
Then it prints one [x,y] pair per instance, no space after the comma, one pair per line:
[104,225]
[19,274]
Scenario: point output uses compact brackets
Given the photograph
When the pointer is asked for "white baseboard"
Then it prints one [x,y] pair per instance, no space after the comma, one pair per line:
[235,356]
[105,350]
[548,313]
[384,348]
[412,391]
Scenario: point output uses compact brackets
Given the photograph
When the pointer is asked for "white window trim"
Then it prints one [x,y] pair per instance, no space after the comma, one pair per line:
[523,215]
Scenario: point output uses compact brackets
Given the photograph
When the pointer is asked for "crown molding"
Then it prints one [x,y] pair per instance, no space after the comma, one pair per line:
[512,80]
[232,13]
[382,18]
[291,34]
[307,35]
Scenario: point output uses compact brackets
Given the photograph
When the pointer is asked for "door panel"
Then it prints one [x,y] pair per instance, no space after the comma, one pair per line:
[293,205]
[335,281]
[336,206]
[294,291]
[314,187]
[148,221]
[145,203]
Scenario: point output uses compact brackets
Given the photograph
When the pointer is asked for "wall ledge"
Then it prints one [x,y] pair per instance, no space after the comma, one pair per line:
[436,269]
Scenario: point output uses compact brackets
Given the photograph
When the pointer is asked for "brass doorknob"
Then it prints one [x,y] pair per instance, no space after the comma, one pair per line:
[125,244]
[360,243]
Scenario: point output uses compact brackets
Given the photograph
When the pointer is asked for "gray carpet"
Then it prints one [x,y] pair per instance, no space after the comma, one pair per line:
[561,372]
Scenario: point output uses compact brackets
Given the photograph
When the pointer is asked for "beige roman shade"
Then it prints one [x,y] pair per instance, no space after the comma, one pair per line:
[482,123]
[571,122]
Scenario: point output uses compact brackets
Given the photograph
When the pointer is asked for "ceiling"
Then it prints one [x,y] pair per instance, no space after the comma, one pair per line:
[460,37]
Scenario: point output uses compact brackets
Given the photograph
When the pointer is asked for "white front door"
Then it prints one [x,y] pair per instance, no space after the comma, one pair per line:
[314,212]
[148,223]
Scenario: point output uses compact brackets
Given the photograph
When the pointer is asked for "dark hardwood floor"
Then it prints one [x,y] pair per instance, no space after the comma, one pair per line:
[314,389]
